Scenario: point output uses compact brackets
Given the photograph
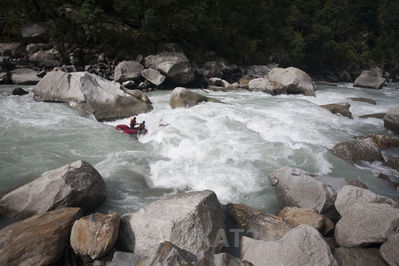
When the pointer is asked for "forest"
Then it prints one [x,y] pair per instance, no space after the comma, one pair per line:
[315,35]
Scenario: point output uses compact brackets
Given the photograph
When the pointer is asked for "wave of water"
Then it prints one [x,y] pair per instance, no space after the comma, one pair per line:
[229,148]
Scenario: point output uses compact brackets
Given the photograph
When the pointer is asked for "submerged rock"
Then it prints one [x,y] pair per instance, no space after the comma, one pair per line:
[376,115]
[257,224]
[338,108]
[391,120]
[94,236]
[294,80]
[370,79]
[303,245]
[364,100]
[192,221]
[358,256]
[92,94]
[128,70]
[24,76]
[76,184]
[182,97]
[39,240]
[358,150]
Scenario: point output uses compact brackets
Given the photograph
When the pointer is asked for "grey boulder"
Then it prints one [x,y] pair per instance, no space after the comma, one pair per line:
[153,76]
[175,66]
[370,79]
[358,257]
[24,76]
[358,150]
[265,85]
[366,224]
[350,195]
[46,58]
[105,99]
[192,221]
[338,108]
[182,97]
[390,251]
[76,184]
[128,70]
[303,245]
[391,120]
[294,80]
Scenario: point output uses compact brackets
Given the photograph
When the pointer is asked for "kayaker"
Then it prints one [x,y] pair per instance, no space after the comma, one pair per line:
[133,122]
[141,127]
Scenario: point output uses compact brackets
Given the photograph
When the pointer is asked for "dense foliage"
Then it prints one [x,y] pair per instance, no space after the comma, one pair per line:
[311,34]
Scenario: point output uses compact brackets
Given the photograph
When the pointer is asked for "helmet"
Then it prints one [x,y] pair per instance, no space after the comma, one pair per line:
[143,122]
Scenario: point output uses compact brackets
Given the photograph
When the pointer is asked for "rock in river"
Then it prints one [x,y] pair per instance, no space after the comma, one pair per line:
[182,97]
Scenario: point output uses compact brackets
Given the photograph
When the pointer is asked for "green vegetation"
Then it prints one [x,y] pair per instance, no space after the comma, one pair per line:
[311,34]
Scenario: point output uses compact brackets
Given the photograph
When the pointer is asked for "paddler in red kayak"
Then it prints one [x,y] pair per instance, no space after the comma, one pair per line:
[133,123]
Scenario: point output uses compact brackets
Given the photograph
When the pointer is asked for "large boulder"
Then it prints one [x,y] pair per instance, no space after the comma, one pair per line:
[298,188]
[257,224]
[390,251]
[350,195]
[46,58]
[24,76]
[391,120]
[94,236]
[358,150]
[182,97]
[19,92]
[14,49]
[153,76]
[192,221]
[128,70]
[265,85]
[294,80]
[338,108]
[366,224]
[105,99]
[39,240]
[76,184]
[375,115]
[358,257]
[175,66]
[34,32]
[303,245]
[370,79]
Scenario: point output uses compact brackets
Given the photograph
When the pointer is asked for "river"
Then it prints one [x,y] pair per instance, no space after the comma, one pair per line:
[228,148]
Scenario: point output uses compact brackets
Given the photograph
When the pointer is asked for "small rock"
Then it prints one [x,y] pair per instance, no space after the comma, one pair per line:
[257,224]
[389,250]
[19,91]
[303,245]
[153,76]
[382,141]
[181,97]
[391,120]
[393,163]
[376,115]
[370,79]
[244,82]
[143,85]
[356,183]
[364,100]
[94,236]
[358,150]
[338,108]
[358,257]
[24,76]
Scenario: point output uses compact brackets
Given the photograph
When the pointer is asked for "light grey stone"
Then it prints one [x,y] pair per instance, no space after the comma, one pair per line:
[153,76]
[358,257]
[389,250]
[182,97]
[128,70]
[370,79]
[294,80]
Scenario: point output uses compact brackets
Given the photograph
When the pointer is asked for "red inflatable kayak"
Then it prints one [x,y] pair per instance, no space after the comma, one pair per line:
[128,130]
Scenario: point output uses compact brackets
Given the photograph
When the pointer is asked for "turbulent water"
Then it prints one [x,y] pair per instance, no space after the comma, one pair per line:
[228,148]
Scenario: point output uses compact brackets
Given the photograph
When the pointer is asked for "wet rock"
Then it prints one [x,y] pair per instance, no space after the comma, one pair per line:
[356,183]
[303,245]
[92,94]
[19,91]
[338,108]
[182,97]
[175,66]
[370,79]
[24,76]
[175,219]
[382,141]
[257,224]
[14,49]
[389,250]
[39,240]
[358,256]
[143,85]
[34,32]
[393,163]
[297,216]
[376,115]
[94,236]
[366,224]
[76,184]
[358,150]
[298,188]
[153,76]
[391,120]
[294,80]
[128,70]
[350,195]
[364,100]
[48,58]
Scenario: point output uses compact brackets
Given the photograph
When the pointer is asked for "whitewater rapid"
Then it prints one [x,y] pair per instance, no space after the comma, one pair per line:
[229,148]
